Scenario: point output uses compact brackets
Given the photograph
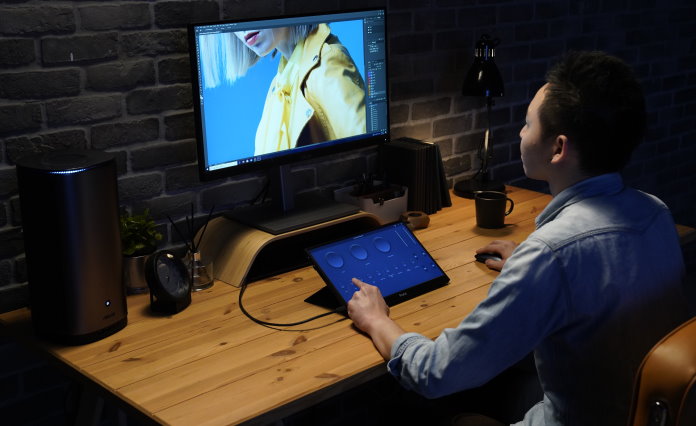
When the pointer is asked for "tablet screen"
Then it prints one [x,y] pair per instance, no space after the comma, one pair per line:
[389,257]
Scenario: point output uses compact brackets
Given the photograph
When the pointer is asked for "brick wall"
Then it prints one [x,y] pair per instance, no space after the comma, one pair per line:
[114,75]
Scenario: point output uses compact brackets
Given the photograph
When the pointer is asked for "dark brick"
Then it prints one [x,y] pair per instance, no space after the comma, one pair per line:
[174,70]
[125,133]
[685,95]
[154,43]
[307,6]
[172,14]
[235,9]
[11,242]
[454,39]
[179,126]
[342,170]
[36,20]
[40,84]
[16,52]
[457,165]
[77,49]
[439,64]
[451,125]
[514,13]
[531,32]
[179,178]
[112,17]
[446,147]
[172,206]
[234,193]
[145,101]
[8,181]
[421,131]
[163,155]
[139,187]
[398,113]
[507,172]
[547,10]
[83,110]
[411,44]
[19,117]
[468,142]
[20,146]
[530,71]
[401,22]
[432,20]
[430,109]
[476,17]
[120,76]
[411,89]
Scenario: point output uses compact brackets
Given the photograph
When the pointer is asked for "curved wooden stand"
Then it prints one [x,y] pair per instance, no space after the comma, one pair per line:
[243,254]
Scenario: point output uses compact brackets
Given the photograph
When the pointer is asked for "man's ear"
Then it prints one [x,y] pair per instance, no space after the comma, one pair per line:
[561,149]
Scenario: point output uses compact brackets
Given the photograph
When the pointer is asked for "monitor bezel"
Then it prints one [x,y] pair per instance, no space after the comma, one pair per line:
[280,159]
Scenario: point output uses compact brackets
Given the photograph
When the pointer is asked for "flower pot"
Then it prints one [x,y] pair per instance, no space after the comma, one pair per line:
[134,274]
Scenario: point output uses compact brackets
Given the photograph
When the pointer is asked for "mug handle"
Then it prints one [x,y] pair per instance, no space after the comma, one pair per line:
[512,206]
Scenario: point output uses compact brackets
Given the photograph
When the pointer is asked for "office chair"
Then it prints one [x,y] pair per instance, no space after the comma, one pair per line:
[664,393]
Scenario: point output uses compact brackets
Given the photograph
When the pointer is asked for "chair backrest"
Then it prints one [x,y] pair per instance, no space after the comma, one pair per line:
[665,388]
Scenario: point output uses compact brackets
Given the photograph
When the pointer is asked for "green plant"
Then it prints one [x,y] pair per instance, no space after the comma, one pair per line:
[139,235]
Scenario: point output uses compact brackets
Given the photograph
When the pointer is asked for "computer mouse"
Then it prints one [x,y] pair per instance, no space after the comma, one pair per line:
[482,257]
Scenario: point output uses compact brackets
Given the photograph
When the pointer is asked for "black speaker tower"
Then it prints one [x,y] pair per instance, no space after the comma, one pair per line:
[70,219]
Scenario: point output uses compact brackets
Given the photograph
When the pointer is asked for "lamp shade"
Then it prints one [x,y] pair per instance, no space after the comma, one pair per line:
[483,77]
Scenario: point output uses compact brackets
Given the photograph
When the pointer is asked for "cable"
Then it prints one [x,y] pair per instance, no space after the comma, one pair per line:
[268,324]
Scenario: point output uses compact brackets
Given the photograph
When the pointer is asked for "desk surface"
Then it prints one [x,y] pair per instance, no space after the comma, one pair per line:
[211,365]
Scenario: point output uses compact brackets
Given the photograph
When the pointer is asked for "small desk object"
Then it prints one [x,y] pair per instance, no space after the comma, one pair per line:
[211,365]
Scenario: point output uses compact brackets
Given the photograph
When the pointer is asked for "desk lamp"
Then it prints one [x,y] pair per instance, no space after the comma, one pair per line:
[482,79]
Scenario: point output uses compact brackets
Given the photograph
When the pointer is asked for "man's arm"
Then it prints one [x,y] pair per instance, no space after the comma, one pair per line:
[370,314]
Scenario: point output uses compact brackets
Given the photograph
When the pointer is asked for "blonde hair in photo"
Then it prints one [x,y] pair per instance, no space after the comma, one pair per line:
[224,58]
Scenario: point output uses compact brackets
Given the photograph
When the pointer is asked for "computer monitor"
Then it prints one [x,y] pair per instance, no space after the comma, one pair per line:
[274,91]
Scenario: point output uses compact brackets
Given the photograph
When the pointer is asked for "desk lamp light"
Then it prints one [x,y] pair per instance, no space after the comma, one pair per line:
[482,79]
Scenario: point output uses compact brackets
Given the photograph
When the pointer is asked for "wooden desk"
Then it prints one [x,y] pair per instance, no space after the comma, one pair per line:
[211,365]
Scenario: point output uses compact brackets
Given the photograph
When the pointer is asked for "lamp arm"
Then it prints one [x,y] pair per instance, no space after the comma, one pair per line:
[485,153]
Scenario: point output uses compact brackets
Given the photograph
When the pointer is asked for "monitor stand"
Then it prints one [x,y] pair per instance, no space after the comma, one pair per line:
[288,212]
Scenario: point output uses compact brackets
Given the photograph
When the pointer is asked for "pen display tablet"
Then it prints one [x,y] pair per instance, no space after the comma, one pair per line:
[389,257]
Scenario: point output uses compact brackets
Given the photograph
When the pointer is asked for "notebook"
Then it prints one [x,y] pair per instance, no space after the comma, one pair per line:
[389,257]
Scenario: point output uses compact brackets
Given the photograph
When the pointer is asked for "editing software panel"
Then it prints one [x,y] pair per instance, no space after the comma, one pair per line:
[375,59]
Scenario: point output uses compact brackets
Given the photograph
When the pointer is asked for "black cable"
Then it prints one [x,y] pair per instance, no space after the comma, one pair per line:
[275,324]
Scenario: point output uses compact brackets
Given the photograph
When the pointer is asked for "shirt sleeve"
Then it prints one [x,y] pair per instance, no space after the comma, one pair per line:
[526,303]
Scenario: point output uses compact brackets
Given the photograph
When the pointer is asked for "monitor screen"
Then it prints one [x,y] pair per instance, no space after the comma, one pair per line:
[278,90]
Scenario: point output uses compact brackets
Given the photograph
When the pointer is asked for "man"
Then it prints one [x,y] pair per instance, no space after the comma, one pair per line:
[591,290]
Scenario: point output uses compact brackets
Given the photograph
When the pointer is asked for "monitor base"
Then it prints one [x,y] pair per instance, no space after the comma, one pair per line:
[308,210]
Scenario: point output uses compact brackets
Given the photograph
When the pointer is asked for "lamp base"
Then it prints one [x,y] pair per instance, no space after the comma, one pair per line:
[467,188]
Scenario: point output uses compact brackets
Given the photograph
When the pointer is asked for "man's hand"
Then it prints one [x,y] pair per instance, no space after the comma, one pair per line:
[370,314]
[502,248]
[367,307]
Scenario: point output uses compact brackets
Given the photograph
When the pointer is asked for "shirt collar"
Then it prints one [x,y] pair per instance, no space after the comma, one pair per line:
[606,184]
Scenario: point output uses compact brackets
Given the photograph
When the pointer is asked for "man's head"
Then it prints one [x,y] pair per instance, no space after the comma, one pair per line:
[595,100]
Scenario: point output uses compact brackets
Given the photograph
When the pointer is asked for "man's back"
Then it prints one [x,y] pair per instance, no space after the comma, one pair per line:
[618,254]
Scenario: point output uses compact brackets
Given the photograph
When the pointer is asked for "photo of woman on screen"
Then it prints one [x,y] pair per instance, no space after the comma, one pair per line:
[317,94]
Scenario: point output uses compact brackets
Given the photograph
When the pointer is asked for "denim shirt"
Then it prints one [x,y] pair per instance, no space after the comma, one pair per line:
[590,291]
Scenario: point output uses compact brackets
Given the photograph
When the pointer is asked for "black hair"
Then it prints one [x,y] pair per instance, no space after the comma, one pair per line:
[596,100]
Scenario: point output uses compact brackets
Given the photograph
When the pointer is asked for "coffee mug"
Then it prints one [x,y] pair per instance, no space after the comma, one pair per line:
[490,209]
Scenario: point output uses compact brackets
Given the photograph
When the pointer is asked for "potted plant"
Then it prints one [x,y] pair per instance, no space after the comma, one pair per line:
[139,239]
